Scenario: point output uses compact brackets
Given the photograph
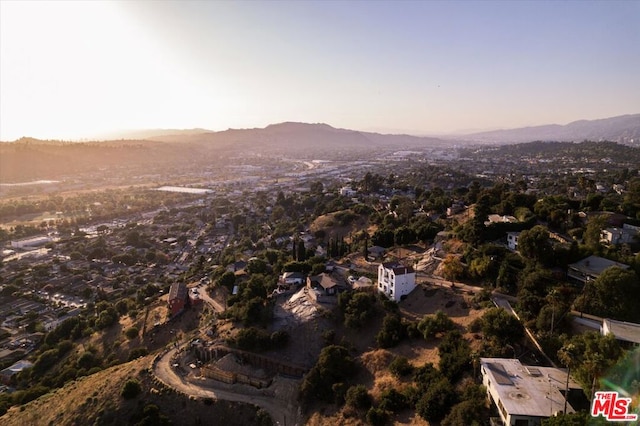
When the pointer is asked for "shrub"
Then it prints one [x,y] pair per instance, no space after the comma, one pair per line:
[400,367]
[131,333]
[377,417]
[438,323]
[392,331]
[393,401]
[137,353]
[333,366]
[436,401]
[252,339]
[358,397]
[131,389]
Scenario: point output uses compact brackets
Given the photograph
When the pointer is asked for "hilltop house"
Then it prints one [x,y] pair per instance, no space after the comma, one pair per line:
[396,280]
[525,395]
[323,284]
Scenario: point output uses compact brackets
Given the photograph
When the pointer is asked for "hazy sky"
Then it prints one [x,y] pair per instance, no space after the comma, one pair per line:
[76,69]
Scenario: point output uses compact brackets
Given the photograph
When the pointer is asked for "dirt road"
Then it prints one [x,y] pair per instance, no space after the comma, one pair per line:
[279,399]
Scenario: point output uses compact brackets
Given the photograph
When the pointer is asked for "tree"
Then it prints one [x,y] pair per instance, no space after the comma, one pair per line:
[334,365]
[468,413]
[431,325]
[590,354]
[357,308]
[614,294]
[228,280]
[436,402]
[498,323]
[358,397]
[132,333]
[452,267]
[257,266]
[131,389]
[592,233]
[534,244]
[392,331]
[572,419]
[455,355]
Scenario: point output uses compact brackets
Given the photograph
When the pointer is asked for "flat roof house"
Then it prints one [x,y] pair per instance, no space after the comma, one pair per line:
[591,267]
[624,331]
[525,395]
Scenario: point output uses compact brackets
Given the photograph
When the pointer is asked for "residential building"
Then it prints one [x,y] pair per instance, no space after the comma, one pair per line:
[496,218]
[347,191]
[615,236]
[455,208]
[30,242]
[178,298]
[292,278]
[396,280]
[512,240]
[590,268]
[324,284]
[525,395]
[624,331]
[12,370]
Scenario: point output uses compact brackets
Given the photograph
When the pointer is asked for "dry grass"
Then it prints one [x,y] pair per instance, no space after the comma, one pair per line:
[376,376]
[84,401]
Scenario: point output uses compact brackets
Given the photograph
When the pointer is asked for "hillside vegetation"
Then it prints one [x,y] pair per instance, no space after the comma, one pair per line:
[97,399]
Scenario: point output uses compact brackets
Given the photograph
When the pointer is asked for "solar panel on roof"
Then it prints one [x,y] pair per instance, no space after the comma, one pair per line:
[500,374]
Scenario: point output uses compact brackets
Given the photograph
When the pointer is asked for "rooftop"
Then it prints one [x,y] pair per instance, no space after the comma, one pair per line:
[627,331]
[398,268]
[178,290]
[528,390]
[595,265]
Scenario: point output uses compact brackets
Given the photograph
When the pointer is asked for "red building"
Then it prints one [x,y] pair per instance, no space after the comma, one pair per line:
[178,298]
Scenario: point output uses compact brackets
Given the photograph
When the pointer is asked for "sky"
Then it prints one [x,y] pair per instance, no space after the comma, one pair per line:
[81,69]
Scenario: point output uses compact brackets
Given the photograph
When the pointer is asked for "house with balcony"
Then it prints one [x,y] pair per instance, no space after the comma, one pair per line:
[396,280]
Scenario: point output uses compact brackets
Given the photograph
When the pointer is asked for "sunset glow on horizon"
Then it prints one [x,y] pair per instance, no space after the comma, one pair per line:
[71,70]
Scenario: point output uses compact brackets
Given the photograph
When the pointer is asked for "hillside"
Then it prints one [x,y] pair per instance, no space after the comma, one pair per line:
[622,129]
[96,400]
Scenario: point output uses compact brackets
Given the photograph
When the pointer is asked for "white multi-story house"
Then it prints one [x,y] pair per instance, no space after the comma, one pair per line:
[396,280]
[347,191]
[512,240]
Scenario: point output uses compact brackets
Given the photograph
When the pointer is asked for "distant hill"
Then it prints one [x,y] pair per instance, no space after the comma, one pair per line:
[163,150]
[623,129]
[304,139]
[149,133]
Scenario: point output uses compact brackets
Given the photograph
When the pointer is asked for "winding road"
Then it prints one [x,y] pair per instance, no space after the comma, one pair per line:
[279,399]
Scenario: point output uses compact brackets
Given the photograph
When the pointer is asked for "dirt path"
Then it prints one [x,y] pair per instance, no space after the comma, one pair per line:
[279,399]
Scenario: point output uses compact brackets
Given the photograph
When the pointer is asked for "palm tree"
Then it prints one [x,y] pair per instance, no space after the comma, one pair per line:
[567,357]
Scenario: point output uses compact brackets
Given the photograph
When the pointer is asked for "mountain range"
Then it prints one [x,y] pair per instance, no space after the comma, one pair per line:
[622,129]
[29,158]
